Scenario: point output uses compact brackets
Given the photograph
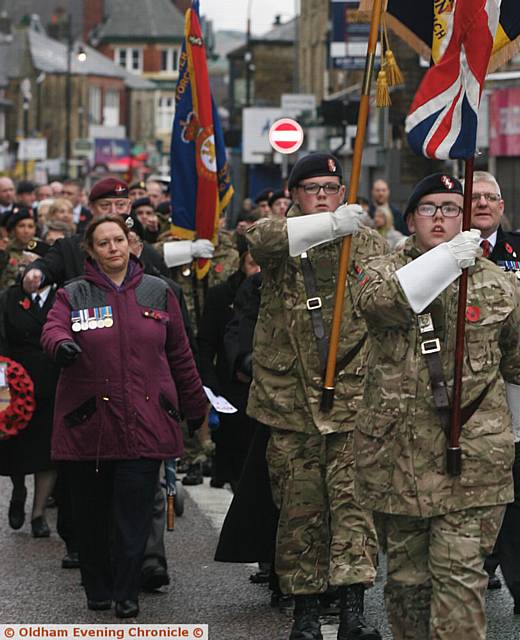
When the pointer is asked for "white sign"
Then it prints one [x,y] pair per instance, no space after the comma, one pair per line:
[32,149]
[286,136]
[294,104]
[256,123]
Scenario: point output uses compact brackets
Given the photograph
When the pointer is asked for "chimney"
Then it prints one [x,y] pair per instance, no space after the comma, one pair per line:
[277,21]
[93,15]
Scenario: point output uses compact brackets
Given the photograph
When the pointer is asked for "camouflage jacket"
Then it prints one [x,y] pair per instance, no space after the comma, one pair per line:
[399,442]
[14,264]
[287,377]
[225,262]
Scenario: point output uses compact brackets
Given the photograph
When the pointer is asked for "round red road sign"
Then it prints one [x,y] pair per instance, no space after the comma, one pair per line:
[286,135]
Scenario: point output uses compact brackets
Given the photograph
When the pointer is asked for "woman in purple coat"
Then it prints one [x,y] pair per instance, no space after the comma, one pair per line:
[128,378]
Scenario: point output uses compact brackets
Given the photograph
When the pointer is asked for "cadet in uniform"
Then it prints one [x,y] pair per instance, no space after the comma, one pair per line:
[436,528]
[324,537]
[503,248]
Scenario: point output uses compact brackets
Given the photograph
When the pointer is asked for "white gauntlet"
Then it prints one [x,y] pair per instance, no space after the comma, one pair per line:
[181,252]
[310,230]
[423,279]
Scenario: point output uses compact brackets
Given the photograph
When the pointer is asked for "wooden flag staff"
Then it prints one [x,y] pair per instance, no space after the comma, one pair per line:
[327,398]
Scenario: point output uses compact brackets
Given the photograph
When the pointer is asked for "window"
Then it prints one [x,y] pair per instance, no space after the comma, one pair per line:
[94,105]
[165,113]
[170,60]
[111,108]
[130,58]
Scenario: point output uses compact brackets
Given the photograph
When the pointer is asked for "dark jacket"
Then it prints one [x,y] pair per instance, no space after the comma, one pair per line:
[21,324]
[124,395]
[507,246]
[66,260]
[218,311]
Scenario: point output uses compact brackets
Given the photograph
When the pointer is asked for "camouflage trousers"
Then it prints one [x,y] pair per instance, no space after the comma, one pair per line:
[324,536]
[436,583]
[193,450]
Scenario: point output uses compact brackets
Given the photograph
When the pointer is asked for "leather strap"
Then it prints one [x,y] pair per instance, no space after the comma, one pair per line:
[314,307]
[431,350]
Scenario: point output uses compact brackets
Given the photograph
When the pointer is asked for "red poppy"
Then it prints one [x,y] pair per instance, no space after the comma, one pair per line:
[13,262]
[472,314]
[218,267]
[508,247]
[25,303]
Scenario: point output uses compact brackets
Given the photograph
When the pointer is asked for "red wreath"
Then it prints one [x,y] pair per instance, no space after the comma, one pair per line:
[18,413]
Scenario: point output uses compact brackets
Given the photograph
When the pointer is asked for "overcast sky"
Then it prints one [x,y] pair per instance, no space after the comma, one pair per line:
[232,14]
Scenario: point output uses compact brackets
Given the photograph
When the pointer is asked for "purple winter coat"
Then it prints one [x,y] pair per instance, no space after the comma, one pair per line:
[122,397]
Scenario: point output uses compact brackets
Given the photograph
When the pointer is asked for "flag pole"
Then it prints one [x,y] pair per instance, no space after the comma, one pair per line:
[327,398]
[453,457]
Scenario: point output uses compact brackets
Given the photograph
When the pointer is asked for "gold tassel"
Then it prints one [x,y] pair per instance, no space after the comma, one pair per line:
[382,92]
[393,72]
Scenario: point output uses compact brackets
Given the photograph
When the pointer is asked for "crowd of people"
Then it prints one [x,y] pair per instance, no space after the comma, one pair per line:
[101,305]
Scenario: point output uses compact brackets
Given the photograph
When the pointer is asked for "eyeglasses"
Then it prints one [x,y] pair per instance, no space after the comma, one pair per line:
[313,188]
[490,197]
[428,210]
[121,206]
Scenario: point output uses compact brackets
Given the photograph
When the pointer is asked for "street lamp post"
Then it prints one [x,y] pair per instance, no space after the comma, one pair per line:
[68,96]
[25,88]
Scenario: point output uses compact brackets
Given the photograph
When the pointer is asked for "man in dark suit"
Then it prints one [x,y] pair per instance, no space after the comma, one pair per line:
[487,211]
[81,215]
[503,248]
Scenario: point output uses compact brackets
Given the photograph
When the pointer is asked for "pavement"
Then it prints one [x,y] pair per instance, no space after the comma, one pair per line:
[34,588]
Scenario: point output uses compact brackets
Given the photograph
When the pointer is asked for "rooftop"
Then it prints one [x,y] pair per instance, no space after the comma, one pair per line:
[131,20]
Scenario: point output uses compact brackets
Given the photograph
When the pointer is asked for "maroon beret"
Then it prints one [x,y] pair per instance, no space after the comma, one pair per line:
[109,188]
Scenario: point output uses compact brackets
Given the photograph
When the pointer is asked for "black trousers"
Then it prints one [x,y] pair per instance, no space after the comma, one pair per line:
[507,548]
[113,509]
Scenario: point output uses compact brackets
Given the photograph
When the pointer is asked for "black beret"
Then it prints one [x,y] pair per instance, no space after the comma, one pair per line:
[140,184]
[164,208]
[25,186]
[109,188]
[276,196]
[142,202]
[434,183]
[39,247]
[134,224]
[315,165]
[17,215]
[263,195]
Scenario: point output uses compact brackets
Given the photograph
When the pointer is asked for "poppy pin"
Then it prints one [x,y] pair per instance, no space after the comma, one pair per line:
[25,303]
[218,268]
[472,314]
[508,247]
[13,262]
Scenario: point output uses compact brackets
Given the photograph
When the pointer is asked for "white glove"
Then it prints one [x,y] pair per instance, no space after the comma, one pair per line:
[32,280]
[423,279]
[307,231]
[465,248]
[202,249]
[181,252]
[513,400]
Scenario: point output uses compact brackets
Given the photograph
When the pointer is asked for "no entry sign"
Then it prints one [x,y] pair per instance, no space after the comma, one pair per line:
[286,136]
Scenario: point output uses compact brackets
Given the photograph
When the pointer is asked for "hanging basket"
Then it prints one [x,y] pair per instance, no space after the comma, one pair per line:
[19,411]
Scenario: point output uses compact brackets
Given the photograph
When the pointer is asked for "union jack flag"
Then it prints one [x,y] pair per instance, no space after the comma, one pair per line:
[443,118]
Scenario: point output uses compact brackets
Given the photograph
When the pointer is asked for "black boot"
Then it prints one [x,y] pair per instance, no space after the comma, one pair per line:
[306,625]
[194,475]
[352,625]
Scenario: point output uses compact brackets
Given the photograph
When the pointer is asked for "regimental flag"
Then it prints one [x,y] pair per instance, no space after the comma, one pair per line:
[443,118]
[412,21]
[200,178]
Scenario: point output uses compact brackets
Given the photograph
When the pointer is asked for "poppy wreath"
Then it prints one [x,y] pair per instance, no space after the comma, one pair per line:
[19,411]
